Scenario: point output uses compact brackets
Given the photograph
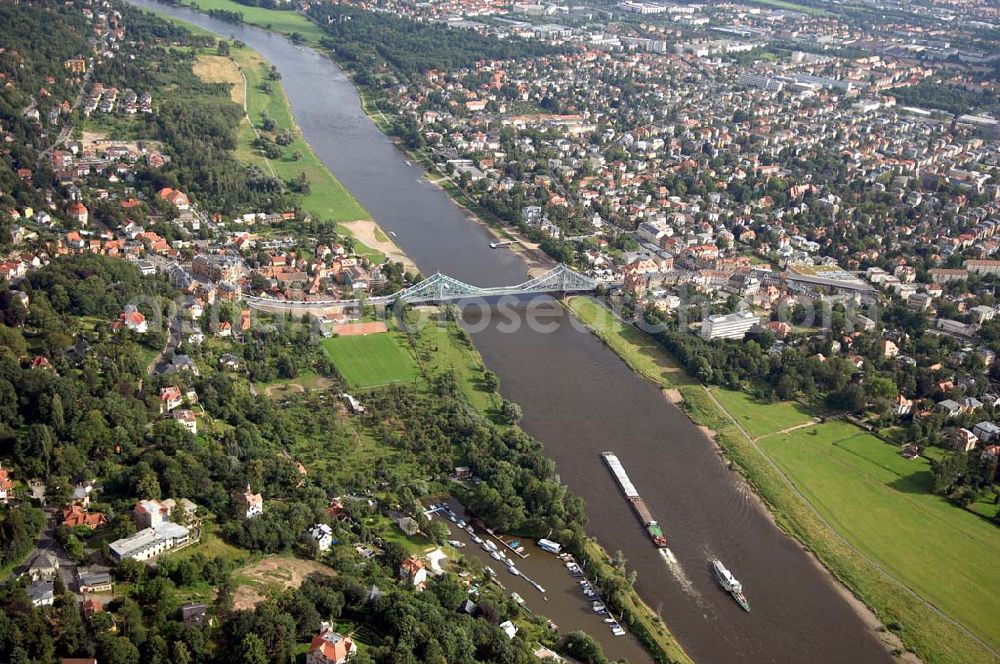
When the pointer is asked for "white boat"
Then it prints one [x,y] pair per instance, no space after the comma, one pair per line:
[599,607]
[730,584]
[490,571]
[477,539]
[549,545]
[513,570]
[457,544]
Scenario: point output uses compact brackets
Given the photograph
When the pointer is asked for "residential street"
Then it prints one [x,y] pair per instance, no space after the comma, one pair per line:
[47,544]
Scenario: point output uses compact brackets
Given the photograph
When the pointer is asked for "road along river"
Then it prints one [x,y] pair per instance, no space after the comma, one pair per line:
[580,399]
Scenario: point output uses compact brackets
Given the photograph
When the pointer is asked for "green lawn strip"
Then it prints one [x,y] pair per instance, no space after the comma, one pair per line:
[761,419]
[384,527]
[862,486]
[308,380]
[212,546]
[793,6]
[371,360]
[646,625]
[327,197]
[340,453]
[285,22]
[640,351]
[933,637]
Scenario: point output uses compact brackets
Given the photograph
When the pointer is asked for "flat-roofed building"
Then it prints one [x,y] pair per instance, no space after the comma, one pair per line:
[728,326]
[150,542]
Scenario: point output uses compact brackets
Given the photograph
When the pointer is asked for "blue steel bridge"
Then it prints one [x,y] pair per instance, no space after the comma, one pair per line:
[442,288]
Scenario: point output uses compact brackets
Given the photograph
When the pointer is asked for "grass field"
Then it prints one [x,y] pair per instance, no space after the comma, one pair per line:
[881,503]
[636,348]
[285,22]
[933,637]
[873,498]
[327,197]
[220,69]
[761,419]
[442,348]
[784,4]
[370,361]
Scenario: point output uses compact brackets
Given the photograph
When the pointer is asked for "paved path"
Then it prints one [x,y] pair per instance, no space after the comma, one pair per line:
[246,114]
[47,544]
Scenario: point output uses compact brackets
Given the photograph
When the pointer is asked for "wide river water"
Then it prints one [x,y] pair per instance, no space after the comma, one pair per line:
[580,399]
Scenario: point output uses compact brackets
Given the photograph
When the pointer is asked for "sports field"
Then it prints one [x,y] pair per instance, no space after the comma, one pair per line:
[372,360]
[881,503]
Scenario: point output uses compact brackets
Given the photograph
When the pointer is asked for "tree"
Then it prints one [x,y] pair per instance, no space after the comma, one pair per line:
[34,449]
[512,412]
[437,531]
[253,650]
[948,471]
[71,635]
[181,653]
[850,399]
[117,650]
[448,591]
[581,646]
[490,381]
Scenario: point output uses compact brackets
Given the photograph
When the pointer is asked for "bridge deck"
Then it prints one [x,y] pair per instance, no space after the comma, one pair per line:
[442,288]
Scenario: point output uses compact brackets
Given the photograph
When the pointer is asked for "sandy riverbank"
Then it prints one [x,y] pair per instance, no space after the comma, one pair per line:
[369,234]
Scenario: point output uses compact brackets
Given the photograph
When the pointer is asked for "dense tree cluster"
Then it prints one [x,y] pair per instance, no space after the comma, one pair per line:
[955,99]
[965,477]
[93,285]
[366,39]
[519,492]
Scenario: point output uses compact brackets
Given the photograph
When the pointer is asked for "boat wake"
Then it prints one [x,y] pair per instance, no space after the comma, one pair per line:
[677,571]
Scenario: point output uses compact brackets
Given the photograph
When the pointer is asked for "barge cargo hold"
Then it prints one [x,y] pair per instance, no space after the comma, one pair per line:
[638,504]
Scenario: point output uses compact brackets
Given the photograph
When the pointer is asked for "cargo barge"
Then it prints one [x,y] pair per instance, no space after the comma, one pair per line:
[638,504]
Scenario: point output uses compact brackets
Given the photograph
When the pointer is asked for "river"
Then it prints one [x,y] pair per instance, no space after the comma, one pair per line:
[580,399]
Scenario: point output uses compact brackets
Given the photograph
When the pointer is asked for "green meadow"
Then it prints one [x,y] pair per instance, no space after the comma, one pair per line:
[761,419]
[283,21]
[882,504]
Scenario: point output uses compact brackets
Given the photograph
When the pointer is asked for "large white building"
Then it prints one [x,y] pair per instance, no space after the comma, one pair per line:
[150,542]
[728,326]
[752,80]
